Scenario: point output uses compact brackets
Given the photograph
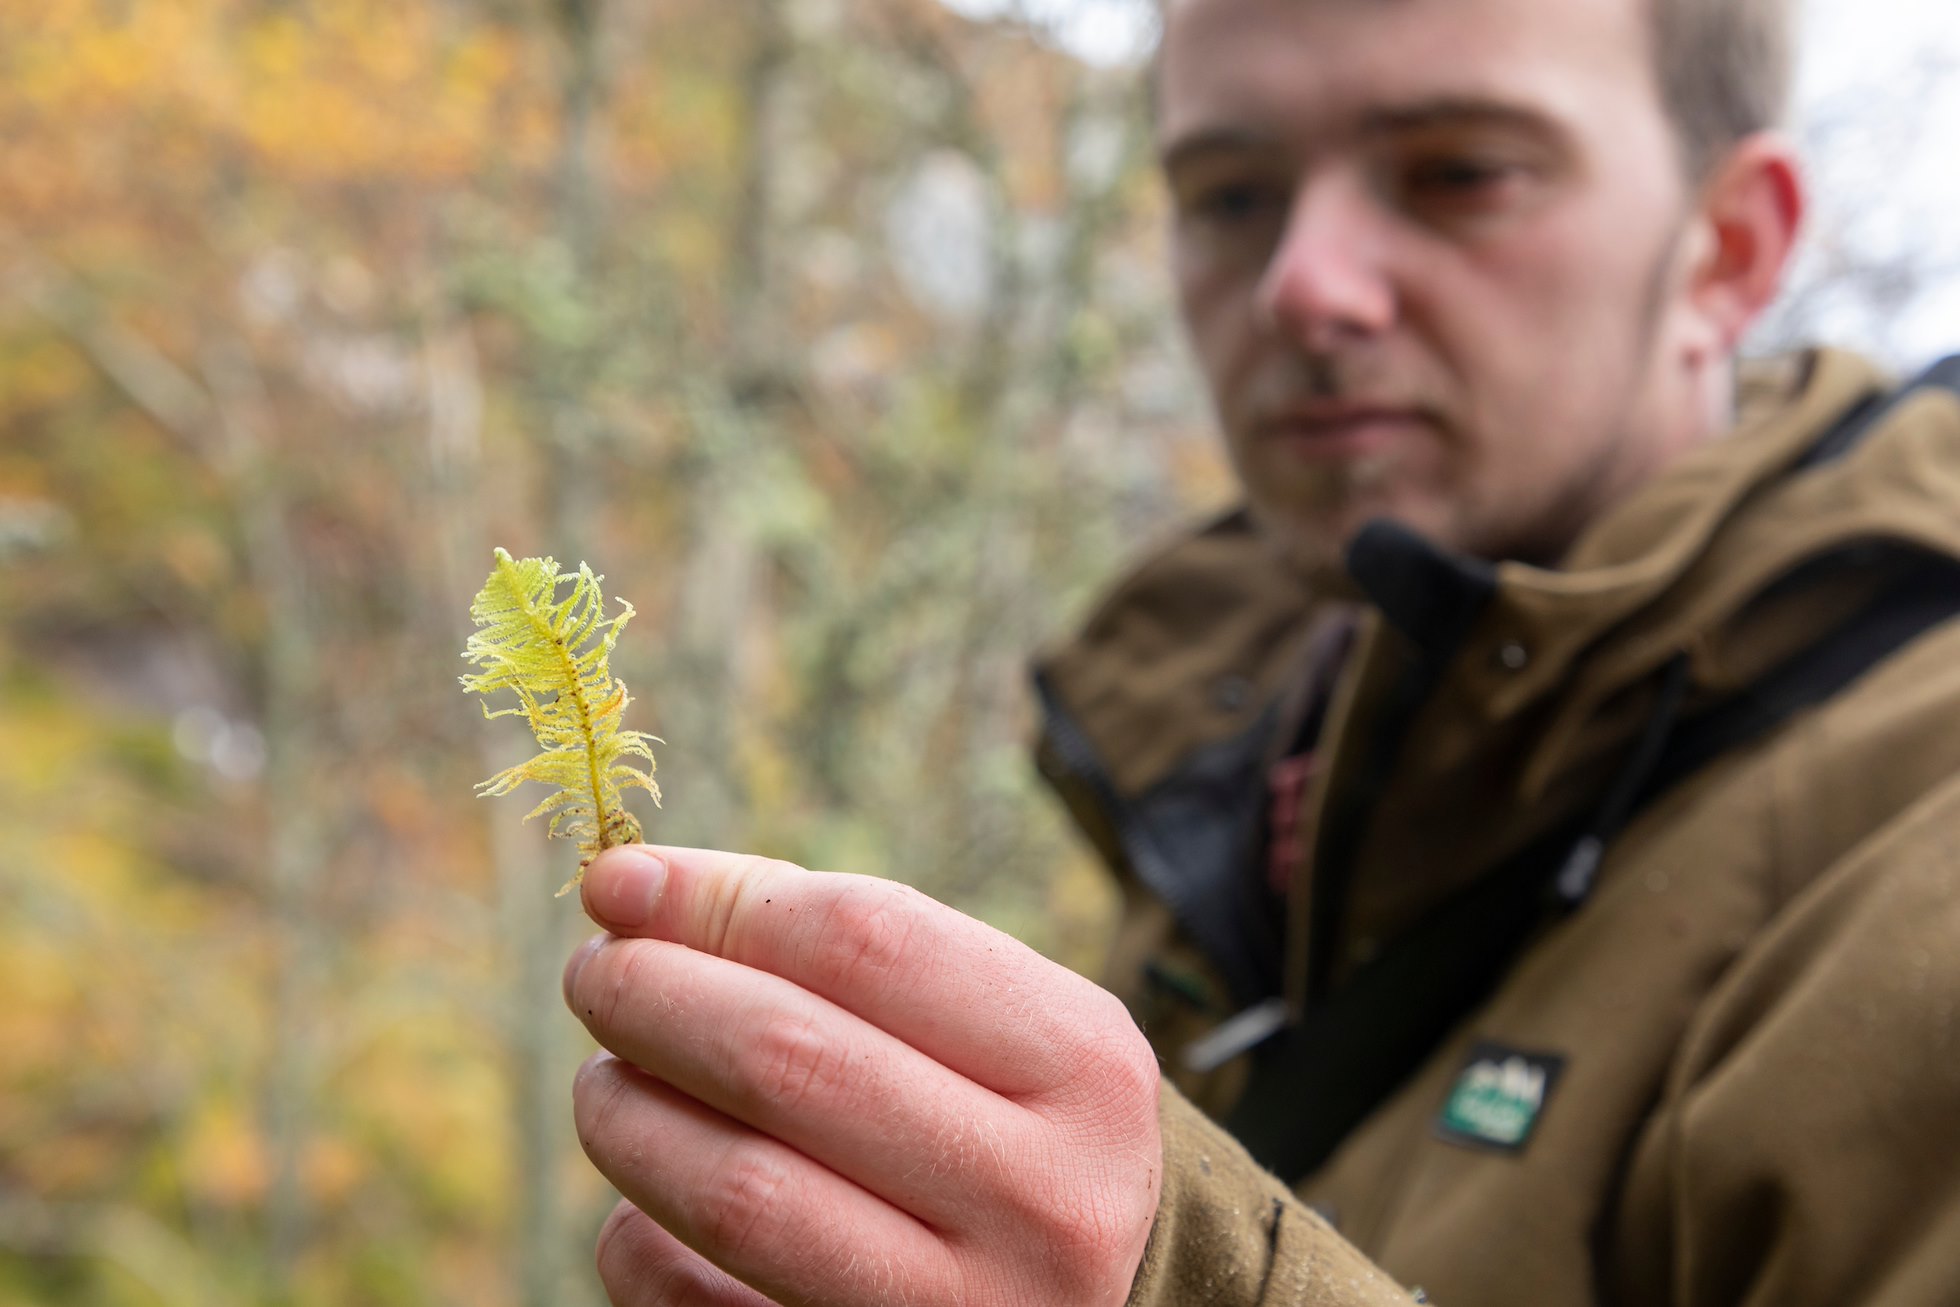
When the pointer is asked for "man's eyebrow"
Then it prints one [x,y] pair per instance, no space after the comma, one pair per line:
[1389,120]
[1456,111]
[1215,140]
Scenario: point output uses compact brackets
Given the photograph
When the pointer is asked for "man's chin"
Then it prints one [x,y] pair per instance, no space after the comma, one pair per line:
[1316,547]
[1314,552]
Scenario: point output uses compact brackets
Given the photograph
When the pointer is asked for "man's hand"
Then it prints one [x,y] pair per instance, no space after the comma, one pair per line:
[828,1089]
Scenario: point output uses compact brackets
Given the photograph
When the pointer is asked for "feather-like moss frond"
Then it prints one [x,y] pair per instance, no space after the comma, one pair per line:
[550,647]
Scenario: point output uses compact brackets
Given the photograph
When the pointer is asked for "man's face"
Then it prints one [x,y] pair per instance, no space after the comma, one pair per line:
[1429,253]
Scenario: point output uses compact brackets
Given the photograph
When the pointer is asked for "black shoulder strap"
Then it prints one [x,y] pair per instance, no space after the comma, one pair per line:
[1856,425]
[1315,1081]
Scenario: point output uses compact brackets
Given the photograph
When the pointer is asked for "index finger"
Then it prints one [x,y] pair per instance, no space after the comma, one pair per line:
[975,1000]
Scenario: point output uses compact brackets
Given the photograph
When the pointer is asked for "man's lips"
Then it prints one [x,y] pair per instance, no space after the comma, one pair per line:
[1337,433]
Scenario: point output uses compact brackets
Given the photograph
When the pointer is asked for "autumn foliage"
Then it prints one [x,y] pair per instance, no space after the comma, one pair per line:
[835,329]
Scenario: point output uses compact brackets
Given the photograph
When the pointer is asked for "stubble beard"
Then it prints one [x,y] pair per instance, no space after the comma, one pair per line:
[1310,525]
[1309,531]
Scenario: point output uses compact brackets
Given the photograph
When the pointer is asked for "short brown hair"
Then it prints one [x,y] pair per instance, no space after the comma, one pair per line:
[1725,68]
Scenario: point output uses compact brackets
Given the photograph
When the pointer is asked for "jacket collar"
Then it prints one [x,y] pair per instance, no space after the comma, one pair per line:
[1529,705]
[1534,679]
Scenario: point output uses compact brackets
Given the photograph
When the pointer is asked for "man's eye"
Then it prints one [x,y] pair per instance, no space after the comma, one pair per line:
[1441,177]
[1457,188]
[1230,203]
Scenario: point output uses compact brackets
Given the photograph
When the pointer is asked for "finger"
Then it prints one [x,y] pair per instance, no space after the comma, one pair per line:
[966,995]
[758,1209]
[798,1067]
[642,1265]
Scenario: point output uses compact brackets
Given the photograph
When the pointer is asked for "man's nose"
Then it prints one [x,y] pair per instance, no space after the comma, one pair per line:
[1327,282]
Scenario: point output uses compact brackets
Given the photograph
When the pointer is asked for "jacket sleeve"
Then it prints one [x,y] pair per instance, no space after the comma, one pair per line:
[1230,1234]
[1807,1149]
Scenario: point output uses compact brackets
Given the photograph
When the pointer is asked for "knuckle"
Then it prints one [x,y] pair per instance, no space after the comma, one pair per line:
[1074,1249]
[789,1062]
[638,1267]
[1118,1101]
[1132,1070]
[735,895]
[1086,1238]
[865,935]
[622,1257]
[1106,1015]
[618,1237]
[630,958]
[609,979]
[1083,1231]
[599,1097]
[1113,1074]
[1092,1223]
[742,1208]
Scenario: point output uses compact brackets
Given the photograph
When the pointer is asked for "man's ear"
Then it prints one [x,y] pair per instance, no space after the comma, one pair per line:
[1752,208]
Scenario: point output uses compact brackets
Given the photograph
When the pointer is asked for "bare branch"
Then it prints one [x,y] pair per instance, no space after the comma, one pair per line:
[142,372]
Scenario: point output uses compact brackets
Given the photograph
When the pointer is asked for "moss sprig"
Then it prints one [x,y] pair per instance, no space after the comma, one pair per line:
[551,648]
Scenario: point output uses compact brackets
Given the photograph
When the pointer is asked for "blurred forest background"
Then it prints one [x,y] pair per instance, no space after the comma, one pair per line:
[832,331]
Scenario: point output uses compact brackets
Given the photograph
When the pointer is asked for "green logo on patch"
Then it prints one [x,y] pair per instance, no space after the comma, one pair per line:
[1498,1097]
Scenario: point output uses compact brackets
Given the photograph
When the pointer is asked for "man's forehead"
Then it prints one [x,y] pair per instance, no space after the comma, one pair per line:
[1177,10]
[1383,120]
[1340,66]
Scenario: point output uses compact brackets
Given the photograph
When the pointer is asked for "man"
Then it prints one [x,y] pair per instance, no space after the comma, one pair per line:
[1610,848]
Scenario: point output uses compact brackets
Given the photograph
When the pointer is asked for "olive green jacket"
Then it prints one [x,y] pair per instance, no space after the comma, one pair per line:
[1732,1075]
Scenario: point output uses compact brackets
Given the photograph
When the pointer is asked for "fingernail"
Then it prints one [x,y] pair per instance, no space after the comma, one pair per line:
[622,885]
